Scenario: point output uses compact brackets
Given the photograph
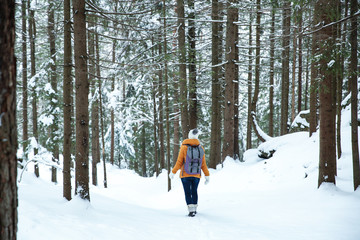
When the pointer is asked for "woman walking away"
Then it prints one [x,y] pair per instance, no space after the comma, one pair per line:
[191,160]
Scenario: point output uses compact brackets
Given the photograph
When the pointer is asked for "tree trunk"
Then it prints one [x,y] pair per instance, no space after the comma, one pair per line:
[32,35]
[192,66]
[257,59]
[67,96]
[216,98]
[326,10]
[82,102]
[285,55]
[155,130]
[143,152]
[300,22]
[249,83]
[53,96]
[8,161]
[24,80]
[272,63]
[230,75]
[237,155]
[293,111]
[167,112]
[182,69]
[354,93]
[101,108]
[95,150]
[313,80]
[161,114]
[112,141]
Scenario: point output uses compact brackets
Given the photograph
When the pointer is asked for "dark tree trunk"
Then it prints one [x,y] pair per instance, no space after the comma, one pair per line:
[32,35]
[250,83]
[327,11]
[143,152]
[354,93]
[272,63]
[24,79]
[257,59]
[82,102]
[216,98]
[182,69]
[67,96]
[161,114]
[8,161]
[237,155]
[230,75]
[300,23]
[285,67]
[53,97]
[95,144]
[192,66]
[101,108]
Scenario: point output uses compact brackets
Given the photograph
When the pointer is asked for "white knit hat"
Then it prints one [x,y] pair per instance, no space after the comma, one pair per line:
[194,133]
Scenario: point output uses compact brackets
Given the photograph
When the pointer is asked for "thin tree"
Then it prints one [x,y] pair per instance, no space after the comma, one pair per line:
[285,55]
[257,59]
[53,96]
[8,161]
[230,72]
[24,78]
[192,65]
[67,98]
[327,12]
[354,93]
[95,138]
[101,106]
[271,77]
[32,36]
[216,98]
[167,111]
[82,102]
[182,68]
[313,119]
[249,88]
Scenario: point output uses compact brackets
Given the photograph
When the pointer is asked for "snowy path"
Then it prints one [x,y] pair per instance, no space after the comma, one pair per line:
[230,207]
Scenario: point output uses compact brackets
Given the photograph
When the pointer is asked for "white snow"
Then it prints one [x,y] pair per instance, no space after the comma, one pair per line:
[273,199]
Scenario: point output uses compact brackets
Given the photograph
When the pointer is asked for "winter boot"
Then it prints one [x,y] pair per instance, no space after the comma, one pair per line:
[192,210]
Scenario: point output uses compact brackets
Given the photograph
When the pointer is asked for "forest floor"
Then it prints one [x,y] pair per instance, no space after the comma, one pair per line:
[273,199]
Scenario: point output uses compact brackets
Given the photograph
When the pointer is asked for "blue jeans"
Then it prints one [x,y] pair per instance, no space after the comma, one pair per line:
[190,185]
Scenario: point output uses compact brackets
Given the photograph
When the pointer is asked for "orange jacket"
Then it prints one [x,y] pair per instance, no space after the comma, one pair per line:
[180,163]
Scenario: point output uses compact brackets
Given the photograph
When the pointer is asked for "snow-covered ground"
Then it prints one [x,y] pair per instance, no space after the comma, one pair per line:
[273,199]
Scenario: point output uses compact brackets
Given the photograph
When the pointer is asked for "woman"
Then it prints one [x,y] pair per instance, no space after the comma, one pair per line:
[191,159]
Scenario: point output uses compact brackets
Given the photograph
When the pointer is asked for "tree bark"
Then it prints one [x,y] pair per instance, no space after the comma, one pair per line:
[82,102]
[230,75]
[101,108]
[192,66]
[237,155]
[8,131]
[354,94]
[249,89]
[300,60]
[95,144]
[313,120]
[285,67]
[326,10]
[182,69]
[32,35]
[257,59]
[216,98]
[24,80]
[53,97]
[272,63]
[67,96]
